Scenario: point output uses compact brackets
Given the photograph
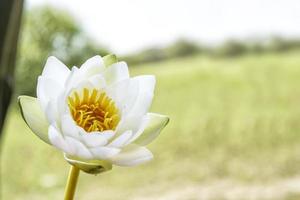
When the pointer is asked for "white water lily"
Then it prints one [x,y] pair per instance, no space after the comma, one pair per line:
[96,114]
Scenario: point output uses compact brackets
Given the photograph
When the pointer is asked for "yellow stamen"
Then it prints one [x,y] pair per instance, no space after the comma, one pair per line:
[95,111]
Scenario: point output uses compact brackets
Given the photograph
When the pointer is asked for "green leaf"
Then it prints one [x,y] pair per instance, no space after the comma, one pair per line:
[156,124]
[34,117]
[110,59]
[89,166]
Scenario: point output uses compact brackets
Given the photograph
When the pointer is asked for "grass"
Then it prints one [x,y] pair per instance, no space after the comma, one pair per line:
[234,119]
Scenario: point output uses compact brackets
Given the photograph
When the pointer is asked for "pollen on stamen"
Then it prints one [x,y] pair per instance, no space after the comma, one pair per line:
[94,110]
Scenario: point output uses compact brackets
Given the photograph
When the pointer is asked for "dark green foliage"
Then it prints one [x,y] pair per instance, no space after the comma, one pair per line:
[231,48]
[182,48]
[148,55]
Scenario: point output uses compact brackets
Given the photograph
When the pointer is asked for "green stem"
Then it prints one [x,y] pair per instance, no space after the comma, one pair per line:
[71,183]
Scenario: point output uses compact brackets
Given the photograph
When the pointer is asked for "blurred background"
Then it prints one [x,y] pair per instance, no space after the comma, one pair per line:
[228,75]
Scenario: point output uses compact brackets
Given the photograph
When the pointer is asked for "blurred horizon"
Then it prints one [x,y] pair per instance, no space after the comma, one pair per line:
[130,26]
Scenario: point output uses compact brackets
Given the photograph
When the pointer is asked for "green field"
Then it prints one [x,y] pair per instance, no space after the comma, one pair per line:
[234,130]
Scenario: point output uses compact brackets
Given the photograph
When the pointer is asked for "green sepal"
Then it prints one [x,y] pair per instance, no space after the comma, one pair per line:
[34,117]
[110,59]
[156,123]
[89,166]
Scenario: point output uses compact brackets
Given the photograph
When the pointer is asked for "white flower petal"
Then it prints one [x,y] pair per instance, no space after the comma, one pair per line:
[132,117]
[72,79]
[79,87]
[94,139]
[92,66]
[69,127]
[34,117]
[124,93]
[79,149]
[97,81]
[128,123]
[121,140]
[56,70]
[156,123]
[108,134]
[62,106]
[116,72]
[132,155]
[58,141]
[104,152]
[47,89]
[144,122]
[52,112]
[144,99]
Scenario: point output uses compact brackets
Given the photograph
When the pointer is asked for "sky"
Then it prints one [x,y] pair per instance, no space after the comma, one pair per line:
[126,26]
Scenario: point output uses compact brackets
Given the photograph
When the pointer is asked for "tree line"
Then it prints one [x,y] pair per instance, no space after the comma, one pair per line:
[230,48]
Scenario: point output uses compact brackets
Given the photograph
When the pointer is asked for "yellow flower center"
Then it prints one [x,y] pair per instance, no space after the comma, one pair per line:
[95,111]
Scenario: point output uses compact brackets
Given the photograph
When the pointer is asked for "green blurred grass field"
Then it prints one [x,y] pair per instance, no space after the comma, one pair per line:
[234,125]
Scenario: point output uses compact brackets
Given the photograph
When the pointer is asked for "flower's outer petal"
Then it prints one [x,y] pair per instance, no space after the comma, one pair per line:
[110,59]
[94,139]
[104,153]
[124,93]
[132,118]
[156,123]
[58,141]
[56,70]
[108,134]
[98,81]
[92,66]
[121,140]
[89,166]
[86,84]
[51,112]
[62,106]
[47,90]
[78,149]
[143,124]
[68,126]
[129,123]
[69,145]
[144,99]
[34,117]
[71,80]
[116,72]
[132,155]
